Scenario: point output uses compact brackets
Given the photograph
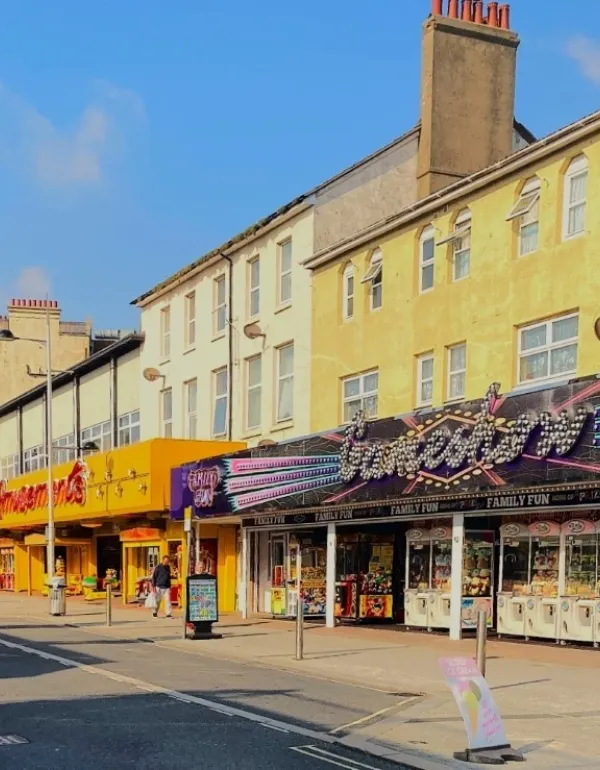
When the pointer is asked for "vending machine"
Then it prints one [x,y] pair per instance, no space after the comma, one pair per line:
[578,599]
[417,593]
[477,577]
[541,610]
[514,579]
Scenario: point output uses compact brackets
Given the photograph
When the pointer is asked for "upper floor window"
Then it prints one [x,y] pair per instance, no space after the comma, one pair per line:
[34,459]
[220,406]
[360,393]
[457,371]
[165,332]
[527,211]
[254,287]
[460,239]
[374,277]
[166,413]
[190,319]
[285,382]
[426,259]
[254,393]
[575,197]
[285,272]
[9,467]
[64,449]
[425,379]
[190,395]
[100,435]
[219,305]
[129,428]
[348,292]
[548,349]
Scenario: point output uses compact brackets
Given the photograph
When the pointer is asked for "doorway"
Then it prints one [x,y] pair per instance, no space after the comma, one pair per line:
[109,556]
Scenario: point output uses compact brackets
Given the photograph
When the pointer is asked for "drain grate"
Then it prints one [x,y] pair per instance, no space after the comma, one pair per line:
[12,740]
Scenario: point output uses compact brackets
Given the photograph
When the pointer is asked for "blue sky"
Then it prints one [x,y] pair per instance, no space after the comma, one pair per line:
[136,136]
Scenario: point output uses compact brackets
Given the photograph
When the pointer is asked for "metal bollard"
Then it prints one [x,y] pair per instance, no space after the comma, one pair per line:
[481,640]
[300,629]
[108,604]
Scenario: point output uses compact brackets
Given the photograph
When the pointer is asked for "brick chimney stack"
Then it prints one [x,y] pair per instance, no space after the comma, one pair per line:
[467,91]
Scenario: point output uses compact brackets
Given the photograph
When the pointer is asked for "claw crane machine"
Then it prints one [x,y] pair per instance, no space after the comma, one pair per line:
[541,614]
[477,577]
[417,593]
[514,579]
[578,599]
[441,571]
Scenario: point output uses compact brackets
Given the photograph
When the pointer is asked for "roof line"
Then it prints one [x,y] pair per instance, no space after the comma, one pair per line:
[253,231]
[95,361]
[513,162]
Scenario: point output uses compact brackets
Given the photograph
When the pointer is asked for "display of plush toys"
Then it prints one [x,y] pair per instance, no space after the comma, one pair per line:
[477,574]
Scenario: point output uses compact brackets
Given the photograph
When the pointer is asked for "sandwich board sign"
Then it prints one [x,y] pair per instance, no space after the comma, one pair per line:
[486,739]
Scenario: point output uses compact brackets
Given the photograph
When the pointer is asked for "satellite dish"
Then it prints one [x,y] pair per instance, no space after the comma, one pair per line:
[597,327]
[252,331]
[151,374]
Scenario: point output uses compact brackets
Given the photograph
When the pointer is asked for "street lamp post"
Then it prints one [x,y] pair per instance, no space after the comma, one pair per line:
[7,336]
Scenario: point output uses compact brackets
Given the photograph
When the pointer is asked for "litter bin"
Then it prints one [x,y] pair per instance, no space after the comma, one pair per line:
[58,596]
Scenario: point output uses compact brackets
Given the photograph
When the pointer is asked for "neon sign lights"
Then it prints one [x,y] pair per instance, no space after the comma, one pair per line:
[71,490]
[202,483]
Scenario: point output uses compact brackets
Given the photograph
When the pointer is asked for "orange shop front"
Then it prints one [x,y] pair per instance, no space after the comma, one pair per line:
[96,501]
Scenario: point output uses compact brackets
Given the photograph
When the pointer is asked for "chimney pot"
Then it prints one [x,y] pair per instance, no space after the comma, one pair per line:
[493,13]
[505,16]
[453,9]
[436,7]
[478,12]
[467,10]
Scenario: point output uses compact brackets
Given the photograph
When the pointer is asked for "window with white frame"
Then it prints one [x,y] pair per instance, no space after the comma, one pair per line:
[34,459]
[285,382]
[165,332]
[253,392]
[285,272]
[129,428]
[220,406]
[190,319]
[219,305]
[100,435]
[460,240]
[548,349]
[64,449]
[425,379]
[190,398]
[457,371]
[527,212]
[360,393]
[575,199]
[9,467]
[374,277]
[254,287]
[166,413]
[426,259]
[348,292]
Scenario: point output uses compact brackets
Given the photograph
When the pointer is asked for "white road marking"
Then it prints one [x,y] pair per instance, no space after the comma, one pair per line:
[218,708]
[333,759]
[279,729]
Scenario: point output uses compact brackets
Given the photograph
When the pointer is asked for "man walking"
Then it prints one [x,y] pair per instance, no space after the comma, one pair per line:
[161,585]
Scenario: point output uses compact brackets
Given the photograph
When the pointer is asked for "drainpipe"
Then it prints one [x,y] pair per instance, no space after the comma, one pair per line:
[230,344]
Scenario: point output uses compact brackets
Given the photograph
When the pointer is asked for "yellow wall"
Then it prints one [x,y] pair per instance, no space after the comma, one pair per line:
[138,481]
[503,292]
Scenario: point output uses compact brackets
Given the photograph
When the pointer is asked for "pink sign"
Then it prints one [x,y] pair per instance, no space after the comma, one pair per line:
[475,702]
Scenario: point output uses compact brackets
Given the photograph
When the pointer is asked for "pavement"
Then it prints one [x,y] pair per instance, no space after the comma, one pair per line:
[377,690]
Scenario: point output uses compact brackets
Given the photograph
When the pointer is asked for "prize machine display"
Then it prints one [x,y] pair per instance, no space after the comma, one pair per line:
[418,578]
[313,581]
[284,577]
[280,567]
[529,580]
[477,577]
[364,585]
[7,569]
[441,571]
[578,598]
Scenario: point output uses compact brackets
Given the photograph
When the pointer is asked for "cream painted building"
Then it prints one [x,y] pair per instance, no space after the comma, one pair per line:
[96,402]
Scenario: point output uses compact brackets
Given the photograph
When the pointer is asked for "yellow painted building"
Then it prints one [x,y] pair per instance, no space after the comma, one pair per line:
[493,278]
[111,513]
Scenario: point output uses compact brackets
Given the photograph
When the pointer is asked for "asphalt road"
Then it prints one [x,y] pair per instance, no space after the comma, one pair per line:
[132,704]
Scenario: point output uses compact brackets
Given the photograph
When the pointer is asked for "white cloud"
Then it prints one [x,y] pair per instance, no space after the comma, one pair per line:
[60,156]
[31,283]
[586,53]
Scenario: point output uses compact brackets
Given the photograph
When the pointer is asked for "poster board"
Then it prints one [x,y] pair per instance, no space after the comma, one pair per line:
[202,599]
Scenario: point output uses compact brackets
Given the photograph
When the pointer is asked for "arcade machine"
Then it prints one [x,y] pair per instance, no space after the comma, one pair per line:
[578,598]
[477,577]
[417,593]
[541,613]
[441,560]
[514,579]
